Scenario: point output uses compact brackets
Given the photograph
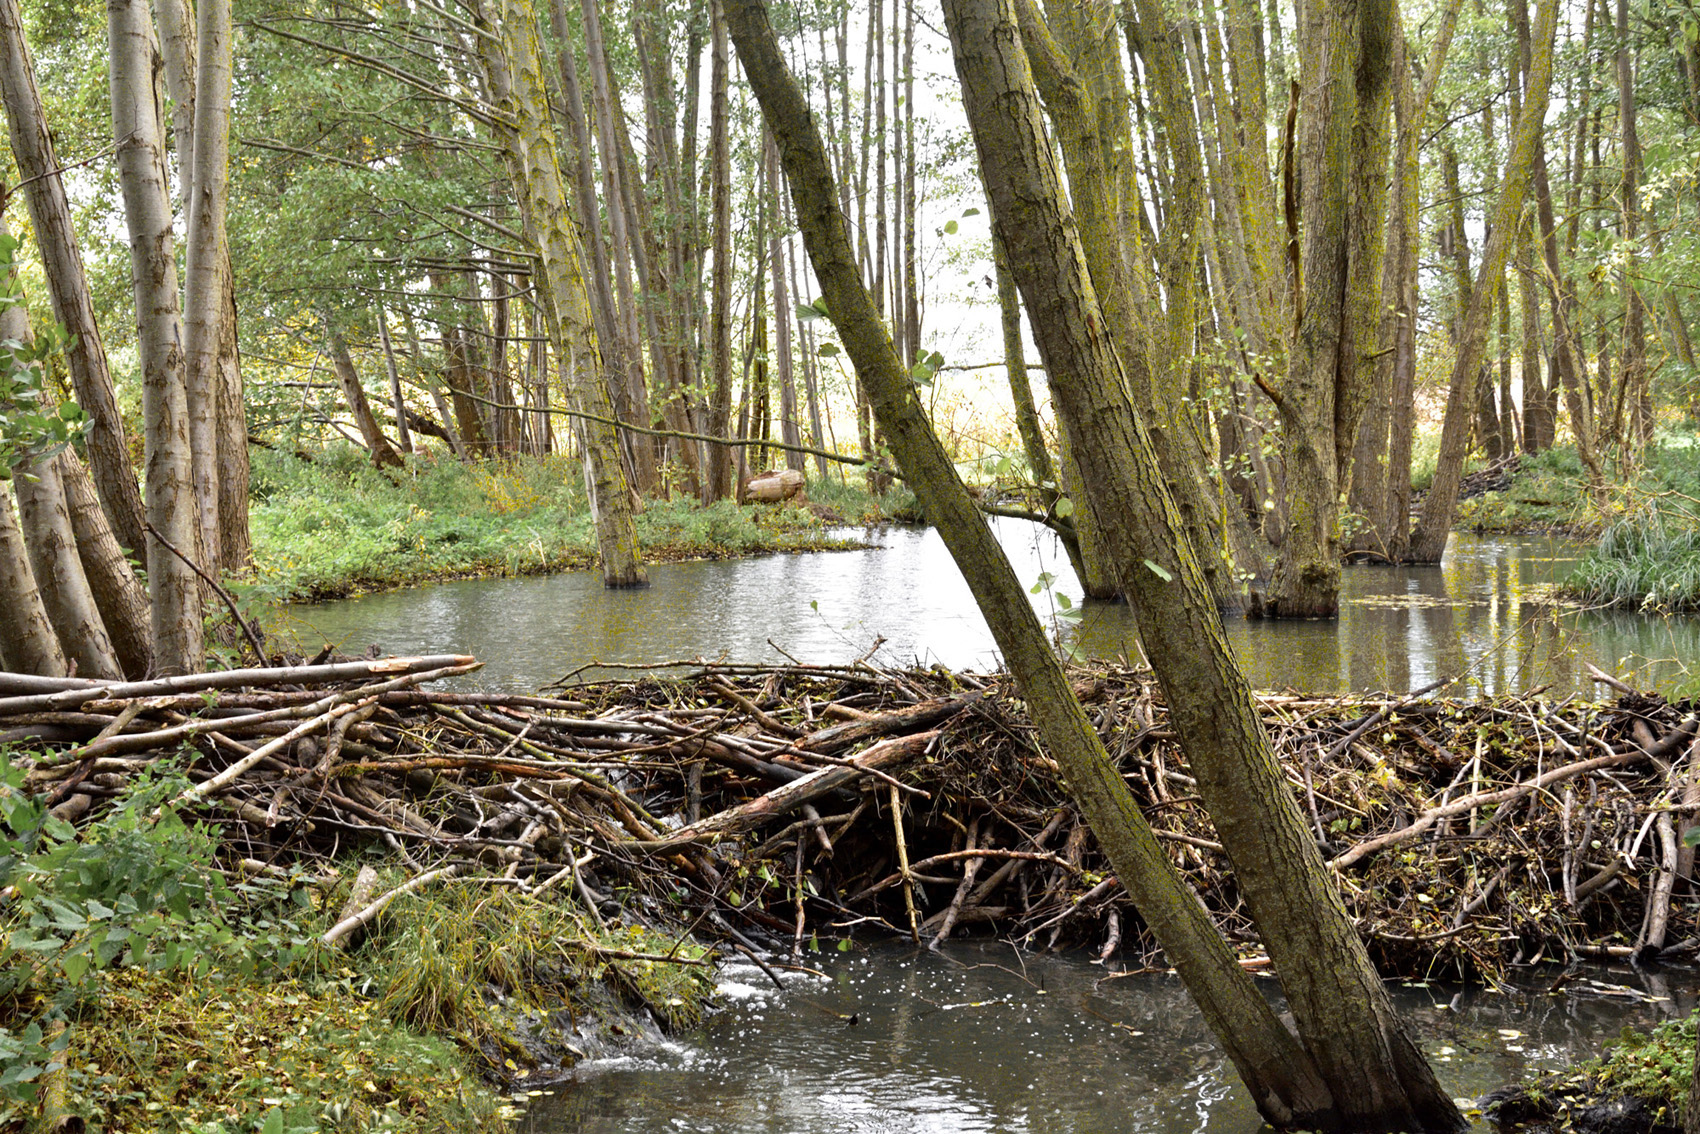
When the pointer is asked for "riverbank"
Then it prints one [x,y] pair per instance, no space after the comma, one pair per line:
[334,526]
[1646,529]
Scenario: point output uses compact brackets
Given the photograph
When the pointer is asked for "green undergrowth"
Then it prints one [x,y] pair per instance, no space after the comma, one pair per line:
[1648,553]
[335,526]
[1653,1068]
[1548,493]
[143,990]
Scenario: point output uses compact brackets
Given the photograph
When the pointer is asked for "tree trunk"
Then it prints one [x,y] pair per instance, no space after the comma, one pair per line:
[513,66]
[1632,376]
[790,430]
[27,641]
[397,404]
[120,596]
[717,481]
[1280,1074]
[629,366]
[173,588]
[1343,143]
[1440,506]
[1081,104]
[378,447]
[46,522]
[67,284]
[1567,348]
[205,304]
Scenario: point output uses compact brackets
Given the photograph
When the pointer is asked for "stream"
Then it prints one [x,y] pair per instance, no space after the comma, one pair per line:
[1484,616]
[979,1039]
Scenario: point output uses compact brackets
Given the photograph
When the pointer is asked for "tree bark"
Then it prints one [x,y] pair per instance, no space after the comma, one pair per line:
[205,303]
[173,588]
[120,596]
[717,479]
[378,446]
[27,641]
[790,430]
[67,283]
[1632,375]
[46,523]
[1440,506]
[614,188]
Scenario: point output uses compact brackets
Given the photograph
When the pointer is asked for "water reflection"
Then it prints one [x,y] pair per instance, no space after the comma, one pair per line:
[980,1040]
[1482,615]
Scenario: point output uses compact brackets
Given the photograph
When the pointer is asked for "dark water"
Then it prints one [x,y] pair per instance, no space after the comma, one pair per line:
[1482,616]
[979,1040]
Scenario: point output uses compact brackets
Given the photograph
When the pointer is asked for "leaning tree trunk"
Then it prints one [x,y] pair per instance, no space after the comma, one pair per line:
[67,284]
[1376,1074]
[378,446]
[173,587]
[1279,1073]
[1440,506]
[513,65]
[122,599]
[46,523]
[50,543]
[27,641]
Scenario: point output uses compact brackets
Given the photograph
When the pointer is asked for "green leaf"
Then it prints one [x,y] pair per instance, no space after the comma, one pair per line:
[828,350]
[950,228]
[1064,507]
[970,211]
[1158,570]
[1691,837]
[274,1122]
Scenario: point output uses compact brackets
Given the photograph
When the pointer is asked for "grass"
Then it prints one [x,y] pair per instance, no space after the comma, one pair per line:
[334,526]
[1649,561]
[487,965]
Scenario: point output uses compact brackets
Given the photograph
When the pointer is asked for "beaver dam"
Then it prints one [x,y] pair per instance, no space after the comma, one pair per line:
[773,807]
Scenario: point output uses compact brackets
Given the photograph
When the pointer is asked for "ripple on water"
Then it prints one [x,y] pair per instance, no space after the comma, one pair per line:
[977,1040]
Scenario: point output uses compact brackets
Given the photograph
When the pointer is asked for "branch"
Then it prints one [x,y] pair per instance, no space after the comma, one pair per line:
[483,114]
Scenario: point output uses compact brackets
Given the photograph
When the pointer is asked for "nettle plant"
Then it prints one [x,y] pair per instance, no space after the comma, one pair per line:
[137,888]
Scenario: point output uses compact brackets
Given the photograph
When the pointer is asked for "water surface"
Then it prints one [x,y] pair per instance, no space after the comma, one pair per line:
[981,1040]
[1483,616]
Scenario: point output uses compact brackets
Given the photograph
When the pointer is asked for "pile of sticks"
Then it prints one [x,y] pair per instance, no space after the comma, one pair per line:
[779,805]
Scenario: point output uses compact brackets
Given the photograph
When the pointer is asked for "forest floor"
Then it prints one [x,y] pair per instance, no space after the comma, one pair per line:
[335,526]
[439,896]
